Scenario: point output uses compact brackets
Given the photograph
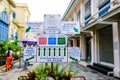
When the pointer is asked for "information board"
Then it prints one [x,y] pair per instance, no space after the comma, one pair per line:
[70,28]
[29,54]
[52,23]
[73,54]
[34,27]
[51,54]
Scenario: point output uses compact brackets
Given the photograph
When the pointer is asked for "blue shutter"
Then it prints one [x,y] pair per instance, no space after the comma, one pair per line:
[4,26]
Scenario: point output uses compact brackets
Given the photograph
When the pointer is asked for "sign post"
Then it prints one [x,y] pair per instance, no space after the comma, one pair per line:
[52,41]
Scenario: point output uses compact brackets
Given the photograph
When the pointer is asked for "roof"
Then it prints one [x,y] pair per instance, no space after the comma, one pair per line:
[68,8]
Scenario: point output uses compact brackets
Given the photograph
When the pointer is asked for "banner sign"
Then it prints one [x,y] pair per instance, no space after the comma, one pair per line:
[73,54]
[52,23]
[52,40]
[29,54]
[70,28]
[52,54]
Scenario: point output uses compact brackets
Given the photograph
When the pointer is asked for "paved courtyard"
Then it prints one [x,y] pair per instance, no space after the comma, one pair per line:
[83,71]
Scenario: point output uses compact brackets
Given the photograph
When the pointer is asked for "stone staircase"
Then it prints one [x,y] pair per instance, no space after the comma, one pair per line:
[107,70]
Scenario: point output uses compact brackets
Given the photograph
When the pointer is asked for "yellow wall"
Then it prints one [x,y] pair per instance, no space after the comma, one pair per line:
[22,16]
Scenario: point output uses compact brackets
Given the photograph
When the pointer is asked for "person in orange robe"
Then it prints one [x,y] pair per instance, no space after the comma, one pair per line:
[11,55]
[8,61]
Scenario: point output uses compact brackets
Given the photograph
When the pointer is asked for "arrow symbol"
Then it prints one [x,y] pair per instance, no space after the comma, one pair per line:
[44,51]
[64,51]
[54,51]
[49,51]
[39,51]
[59,51]
[75,29]
[28,29]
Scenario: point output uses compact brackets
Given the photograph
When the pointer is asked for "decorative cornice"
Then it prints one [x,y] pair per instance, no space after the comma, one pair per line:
[12,2]
[23,5]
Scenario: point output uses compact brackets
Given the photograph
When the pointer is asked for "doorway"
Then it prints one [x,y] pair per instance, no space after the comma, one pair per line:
[88,49]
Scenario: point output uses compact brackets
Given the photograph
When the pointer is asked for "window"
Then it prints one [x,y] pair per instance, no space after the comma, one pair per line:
[12,34]
[4,17]
[102,3]
[16,35]
[14,15]
[88,8]
[78,16]
[3,31]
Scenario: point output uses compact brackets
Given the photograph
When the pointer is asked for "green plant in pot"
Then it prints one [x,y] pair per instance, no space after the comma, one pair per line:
[32,75]
[67,75]
[42,71]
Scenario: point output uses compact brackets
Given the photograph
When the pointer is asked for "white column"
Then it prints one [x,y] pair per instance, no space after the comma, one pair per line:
[96,47]
[69,43]
[116,45]
[82,45]
[74,42]
[10,24]
[93,47]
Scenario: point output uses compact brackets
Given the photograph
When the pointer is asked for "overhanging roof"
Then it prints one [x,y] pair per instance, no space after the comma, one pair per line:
[96,25]
[68,8]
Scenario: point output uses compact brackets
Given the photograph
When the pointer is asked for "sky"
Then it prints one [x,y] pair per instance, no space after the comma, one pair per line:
[40,7]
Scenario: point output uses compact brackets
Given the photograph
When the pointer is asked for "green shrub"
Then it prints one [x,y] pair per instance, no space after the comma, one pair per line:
[16,56]
[2,60]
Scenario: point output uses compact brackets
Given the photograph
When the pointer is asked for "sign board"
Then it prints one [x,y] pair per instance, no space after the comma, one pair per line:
[70,28]
[51,54]
[34,27]
[29,54]
[52,40]
[73,54]
[52,23]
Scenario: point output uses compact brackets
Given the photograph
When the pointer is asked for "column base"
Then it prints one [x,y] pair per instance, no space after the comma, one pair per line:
[117,72]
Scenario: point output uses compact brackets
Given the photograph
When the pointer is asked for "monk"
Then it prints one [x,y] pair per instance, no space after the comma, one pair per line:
[8,61]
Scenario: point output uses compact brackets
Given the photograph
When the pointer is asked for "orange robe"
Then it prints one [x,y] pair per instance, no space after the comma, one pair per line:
[8,62]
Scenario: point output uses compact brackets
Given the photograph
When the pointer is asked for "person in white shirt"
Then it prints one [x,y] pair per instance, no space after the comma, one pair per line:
[11,52]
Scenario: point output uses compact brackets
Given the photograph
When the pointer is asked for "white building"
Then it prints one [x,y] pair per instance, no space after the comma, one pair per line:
[99,37]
